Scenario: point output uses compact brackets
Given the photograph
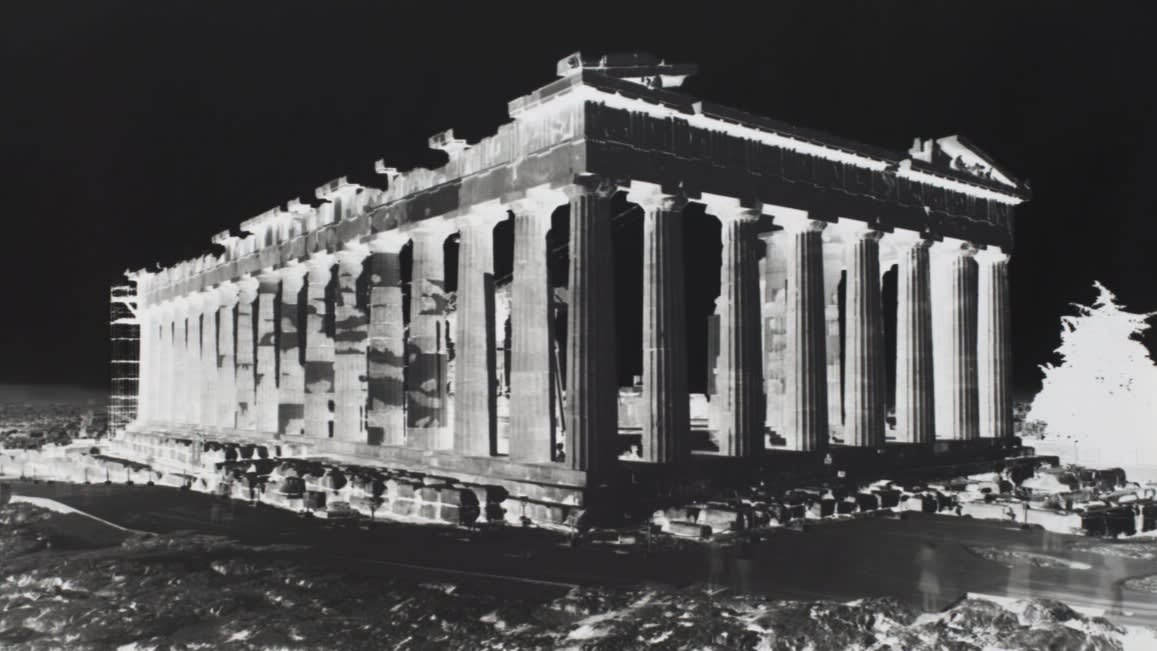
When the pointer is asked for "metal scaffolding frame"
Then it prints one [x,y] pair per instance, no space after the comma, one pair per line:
[124,362]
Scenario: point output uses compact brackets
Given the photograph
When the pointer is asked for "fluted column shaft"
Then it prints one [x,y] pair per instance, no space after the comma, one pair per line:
[475,400]
[386,353]
[267,376]
[864,351]
[954,341]
[245,398]
[591,411]
[145,345]
[994,354]
[349,348]
[775,328]
[319,350]
[427,351]
[805,412]
[207,414]
[739,379]
[532,384]
[192,395]
[226,390]
[168,361]
[665,399]
[291,380]
[915,421]
[833,261]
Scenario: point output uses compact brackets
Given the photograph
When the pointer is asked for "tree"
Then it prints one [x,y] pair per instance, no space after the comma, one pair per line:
[1103,395]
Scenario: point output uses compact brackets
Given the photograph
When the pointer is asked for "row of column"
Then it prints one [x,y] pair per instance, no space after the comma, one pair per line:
[373,382]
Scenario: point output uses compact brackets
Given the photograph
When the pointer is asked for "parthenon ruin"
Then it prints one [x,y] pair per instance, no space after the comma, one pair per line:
[328,327]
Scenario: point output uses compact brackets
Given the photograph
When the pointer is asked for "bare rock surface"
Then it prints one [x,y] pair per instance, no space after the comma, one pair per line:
[193,591]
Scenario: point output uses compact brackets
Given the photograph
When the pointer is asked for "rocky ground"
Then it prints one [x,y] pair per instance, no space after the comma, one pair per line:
[71,584]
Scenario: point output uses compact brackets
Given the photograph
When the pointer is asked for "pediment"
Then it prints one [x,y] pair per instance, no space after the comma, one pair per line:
[959,155]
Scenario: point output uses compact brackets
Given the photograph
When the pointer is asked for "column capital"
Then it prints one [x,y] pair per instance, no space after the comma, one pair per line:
[594,184]
[951,246]
[904,240]
[352,255]
[727,209]
[210,300]
[247,289]
[319,264]
[268,280]
[227,294]
[432,229]
[798,221]
[540,201]
[991,255]
[855,229]
[391,241]
[650,196]
[482,216]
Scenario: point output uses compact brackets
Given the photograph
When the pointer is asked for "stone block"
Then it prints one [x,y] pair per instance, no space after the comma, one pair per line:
[464,515]
[428,510]
[719,518]
[428,494]
[457,497]
[402,506]
[404,491]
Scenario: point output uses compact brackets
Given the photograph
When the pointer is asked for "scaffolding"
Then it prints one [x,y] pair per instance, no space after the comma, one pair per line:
[124,367]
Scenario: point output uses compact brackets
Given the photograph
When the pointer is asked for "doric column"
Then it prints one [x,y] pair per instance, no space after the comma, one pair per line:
[226,390]
[533,419]
[266,377]
[666,427]
[865,382]
[207,414]
[245,398]
[775,328]
[805,411]
[319,349]
[387,349]
[475,416]
[291,381]
[592,386]
[147,330]
[165,376]
[427,352]
[192,394]
[739,379]
[833,263]
[953,272]
[994,354]
[349,348]
[914,383]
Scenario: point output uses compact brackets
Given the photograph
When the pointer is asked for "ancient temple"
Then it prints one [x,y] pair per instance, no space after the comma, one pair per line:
[326,326]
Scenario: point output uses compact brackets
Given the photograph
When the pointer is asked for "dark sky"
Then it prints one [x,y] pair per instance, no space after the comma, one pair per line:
[131,132]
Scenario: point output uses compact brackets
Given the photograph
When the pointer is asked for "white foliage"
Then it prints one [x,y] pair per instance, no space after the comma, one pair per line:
[1104,392]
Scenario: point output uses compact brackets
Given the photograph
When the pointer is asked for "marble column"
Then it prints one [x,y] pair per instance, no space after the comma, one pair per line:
[226,390]
[592,387]
[386,353]
[349,348]
[864,352]
[192,394]
[953,272]
[319,350]
[245,399]
[533,418]
[994,354]
[207,414]
[475,408]
[427,351]
[291,381]
[833,264]
[914,382]
[147,329]
[805,411]
[775,328]
[167,361]
[266,376]
[739,378]
[666,402]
